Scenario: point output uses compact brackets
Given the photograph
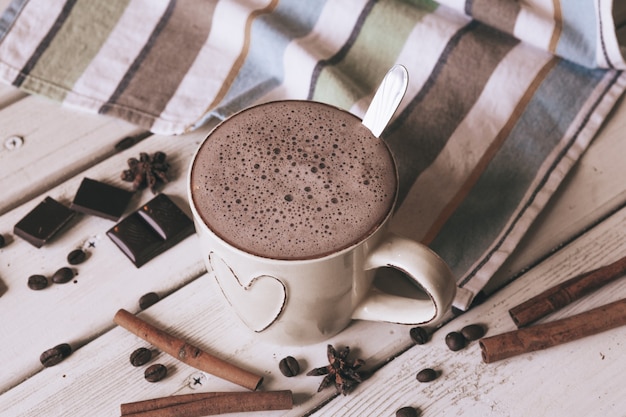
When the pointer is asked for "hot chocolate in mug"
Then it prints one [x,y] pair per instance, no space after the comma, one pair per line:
[291,201]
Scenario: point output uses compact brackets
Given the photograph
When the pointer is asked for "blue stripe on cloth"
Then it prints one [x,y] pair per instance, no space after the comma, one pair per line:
[263,69]
[479,219]
[578,36]
[9,15]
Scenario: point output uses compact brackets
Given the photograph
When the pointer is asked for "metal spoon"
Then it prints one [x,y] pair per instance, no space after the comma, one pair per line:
[386,100]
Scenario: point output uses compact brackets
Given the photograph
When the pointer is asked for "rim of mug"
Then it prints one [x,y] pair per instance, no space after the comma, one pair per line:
[198,218]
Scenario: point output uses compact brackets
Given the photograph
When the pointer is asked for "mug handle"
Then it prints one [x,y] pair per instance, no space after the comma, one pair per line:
[421,265]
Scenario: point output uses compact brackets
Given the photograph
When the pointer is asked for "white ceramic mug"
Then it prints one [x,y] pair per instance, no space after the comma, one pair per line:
[305,299]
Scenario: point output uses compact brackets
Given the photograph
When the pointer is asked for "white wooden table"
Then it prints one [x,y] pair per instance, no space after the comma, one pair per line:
[60,147]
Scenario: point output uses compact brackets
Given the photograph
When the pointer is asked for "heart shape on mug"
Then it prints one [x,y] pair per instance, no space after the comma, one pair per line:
[257,303]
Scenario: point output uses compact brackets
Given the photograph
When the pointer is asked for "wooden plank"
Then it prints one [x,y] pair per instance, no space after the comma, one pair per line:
[198,314]
[57,144]
[90,307]
[594,189]
[77,313]
[10,95]
[584,377]
[97,377]
[81,313]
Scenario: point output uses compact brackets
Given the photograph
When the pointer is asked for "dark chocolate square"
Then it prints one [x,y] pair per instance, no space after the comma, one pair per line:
[100,199]
[166,218]
[136,239]
[151,230]
[43,222]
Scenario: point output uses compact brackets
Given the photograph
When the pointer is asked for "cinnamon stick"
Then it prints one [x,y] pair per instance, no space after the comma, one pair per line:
[545,335]
[568,291]
[207,404]
[186,352]
[162,402]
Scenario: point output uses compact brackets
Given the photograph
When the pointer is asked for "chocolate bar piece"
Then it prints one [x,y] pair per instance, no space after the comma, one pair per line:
[166,218]
[43,222]
[100,199]
[151,230]
[136,239]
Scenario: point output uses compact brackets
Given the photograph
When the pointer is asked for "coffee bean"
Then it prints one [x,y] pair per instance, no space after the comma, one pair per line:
[473,332]
[289,366]
[155,373]
[2,241]
[63,275]
[140,356]
[37,282]
[55,355]
[419,335]
[455,341]
[77,256]
[148,299]
[426,375]
[406,412]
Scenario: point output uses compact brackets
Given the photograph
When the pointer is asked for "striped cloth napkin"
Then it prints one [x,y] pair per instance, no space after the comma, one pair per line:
[504,96]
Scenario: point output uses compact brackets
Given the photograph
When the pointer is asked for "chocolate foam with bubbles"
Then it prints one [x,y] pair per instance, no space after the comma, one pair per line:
[293,180]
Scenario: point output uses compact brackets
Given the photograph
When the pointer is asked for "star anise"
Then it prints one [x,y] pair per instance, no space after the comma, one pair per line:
[340,371]
[146,171]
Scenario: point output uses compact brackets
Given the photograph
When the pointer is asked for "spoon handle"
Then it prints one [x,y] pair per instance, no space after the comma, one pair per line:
[386,100]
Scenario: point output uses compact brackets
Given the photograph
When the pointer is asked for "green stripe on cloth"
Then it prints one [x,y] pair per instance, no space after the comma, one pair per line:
[340,55]
[45,42]
[369,54]
[61,70]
